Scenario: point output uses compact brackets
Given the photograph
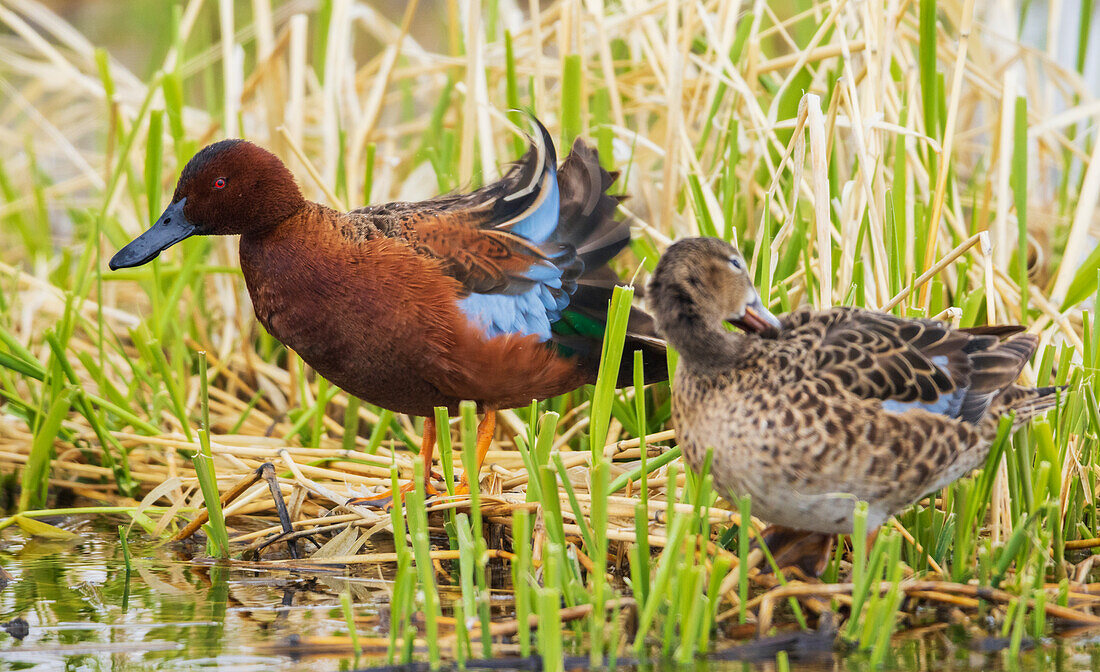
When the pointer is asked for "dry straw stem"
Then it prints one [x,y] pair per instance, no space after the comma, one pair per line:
[710,105]
[928,589]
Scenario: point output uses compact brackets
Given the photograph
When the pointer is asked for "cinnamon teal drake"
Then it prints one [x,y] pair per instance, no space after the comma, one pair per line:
[497,296]
[811,412]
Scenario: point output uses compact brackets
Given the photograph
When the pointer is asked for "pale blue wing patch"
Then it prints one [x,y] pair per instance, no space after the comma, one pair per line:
[539,222]
[543,271]
[947,404]
[524,314]
[533,311]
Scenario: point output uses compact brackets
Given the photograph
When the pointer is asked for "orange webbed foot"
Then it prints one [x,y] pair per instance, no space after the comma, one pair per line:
[384,499]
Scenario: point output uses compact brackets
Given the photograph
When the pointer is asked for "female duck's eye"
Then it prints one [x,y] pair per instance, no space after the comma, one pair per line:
[219,183]
[735,263]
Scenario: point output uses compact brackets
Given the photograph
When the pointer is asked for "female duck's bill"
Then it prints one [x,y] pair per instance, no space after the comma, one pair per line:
[170,228]
[701,282]
[838,406]
[756,317]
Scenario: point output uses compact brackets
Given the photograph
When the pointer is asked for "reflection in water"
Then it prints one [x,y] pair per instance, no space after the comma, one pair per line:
[183,613]
[173,614]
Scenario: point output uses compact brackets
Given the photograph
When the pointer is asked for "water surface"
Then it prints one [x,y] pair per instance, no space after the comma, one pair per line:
[179,611]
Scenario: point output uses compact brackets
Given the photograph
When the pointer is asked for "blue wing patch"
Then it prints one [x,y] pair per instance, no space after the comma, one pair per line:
[532,311]
[947,404]
[537,224]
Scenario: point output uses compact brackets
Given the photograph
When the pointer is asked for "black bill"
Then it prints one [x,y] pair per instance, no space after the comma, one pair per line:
[169,229]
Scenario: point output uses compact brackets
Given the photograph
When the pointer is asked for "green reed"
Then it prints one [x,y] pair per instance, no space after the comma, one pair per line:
[122,381]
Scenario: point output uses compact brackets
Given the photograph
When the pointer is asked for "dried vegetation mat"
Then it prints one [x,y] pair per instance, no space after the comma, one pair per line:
[925,157]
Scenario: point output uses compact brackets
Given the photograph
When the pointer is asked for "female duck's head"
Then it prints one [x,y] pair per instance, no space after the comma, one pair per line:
[230,187]
[698,284]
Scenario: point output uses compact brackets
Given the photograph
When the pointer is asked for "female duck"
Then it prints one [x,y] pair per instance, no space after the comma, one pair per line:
[497,296]
[813,412]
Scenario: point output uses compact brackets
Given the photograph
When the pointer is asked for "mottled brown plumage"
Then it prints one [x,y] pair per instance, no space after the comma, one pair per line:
[833,406]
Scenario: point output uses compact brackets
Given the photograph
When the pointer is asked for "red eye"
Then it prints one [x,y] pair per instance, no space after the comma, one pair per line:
[219,183]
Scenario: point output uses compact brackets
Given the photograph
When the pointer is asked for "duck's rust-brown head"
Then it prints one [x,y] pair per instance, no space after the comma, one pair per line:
[700,282]
[229,187]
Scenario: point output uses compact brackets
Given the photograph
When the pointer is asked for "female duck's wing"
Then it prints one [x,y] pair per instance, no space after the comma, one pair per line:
[908,364]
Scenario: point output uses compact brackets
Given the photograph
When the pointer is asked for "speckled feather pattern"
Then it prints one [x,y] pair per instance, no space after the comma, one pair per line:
[838,405]
[806,438]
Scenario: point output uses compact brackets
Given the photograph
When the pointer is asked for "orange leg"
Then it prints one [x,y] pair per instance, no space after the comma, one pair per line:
[427,454]
[485,430]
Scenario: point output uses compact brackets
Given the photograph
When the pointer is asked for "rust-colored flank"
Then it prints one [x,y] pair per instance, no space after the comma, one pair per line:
[498,296]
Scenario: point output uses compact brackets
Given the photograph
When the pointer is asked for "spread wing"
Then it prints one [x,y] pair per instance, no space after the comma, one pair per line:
[517,246]
[908,364]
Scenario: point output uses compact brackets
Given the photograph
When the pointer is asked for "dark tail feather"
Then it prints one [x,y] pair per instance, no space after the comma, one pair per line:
[998,330]
[995,366]
[587,349]
[654,359]
[587,223]
[590,303]
[587,220]
[1029,402]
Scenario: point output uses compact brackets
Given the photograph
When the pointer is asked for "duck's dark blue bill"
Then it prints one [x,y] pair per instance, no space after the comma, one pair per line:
[169,229]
